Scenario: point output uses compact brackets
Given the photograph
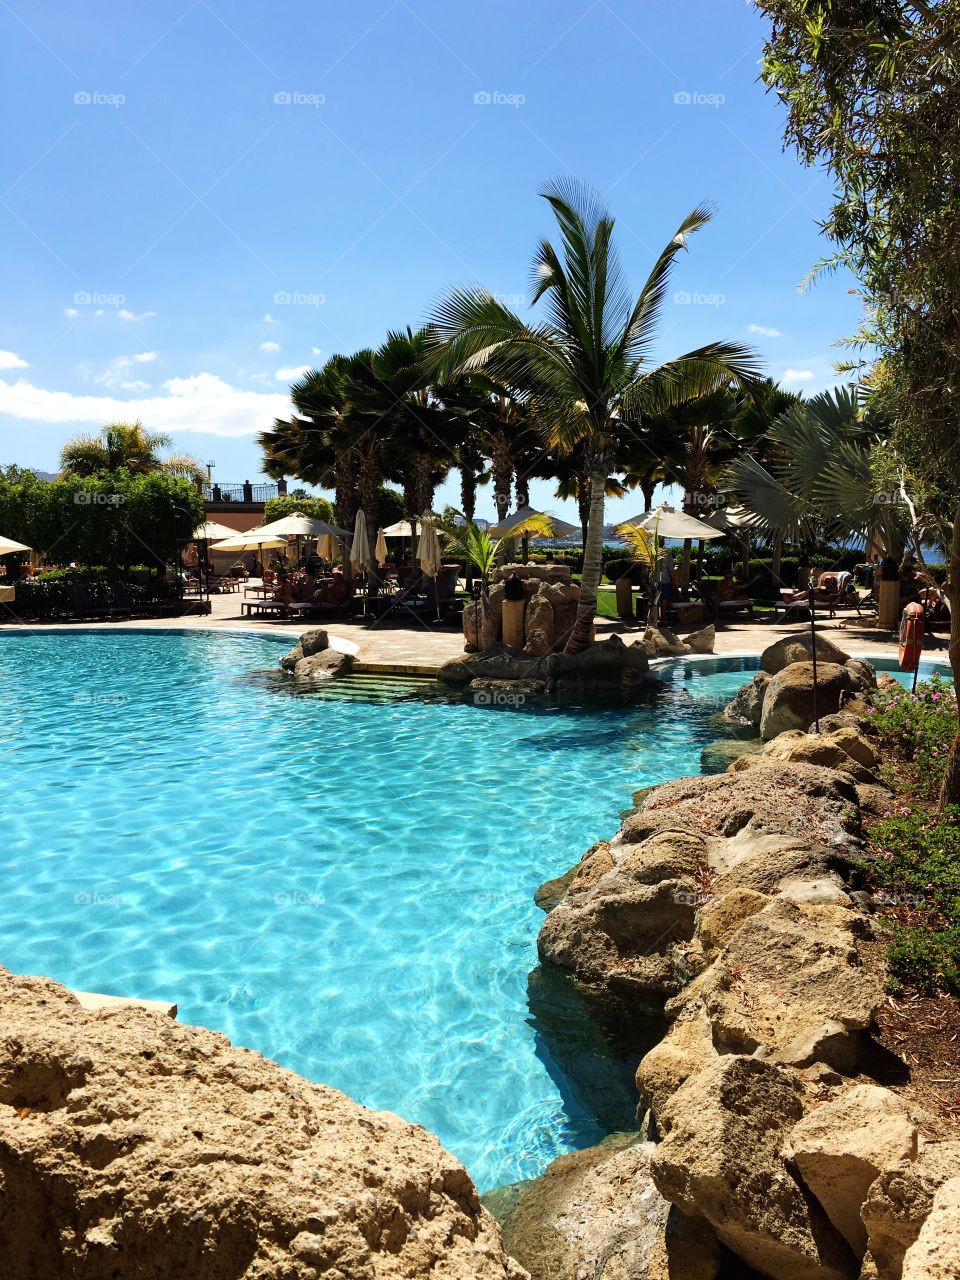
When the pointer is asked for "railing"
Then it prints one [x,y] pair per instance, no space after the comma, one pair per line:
[245,492]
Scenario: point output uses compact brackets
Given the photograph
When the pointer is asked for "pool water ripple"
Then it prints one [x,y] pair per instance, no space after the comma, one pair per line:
[344,887]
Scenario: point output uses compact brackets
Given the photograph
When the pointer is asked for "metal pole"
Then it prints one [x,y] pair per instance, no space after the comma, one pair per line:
[811,601]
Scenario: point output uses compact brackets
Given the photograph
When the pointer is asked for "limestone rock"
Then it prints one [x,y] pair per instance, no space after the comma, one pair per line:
[936,1254]
[723,915]
[597,1212]
[313,641]
[323,665]
[133,1146]
[596,862]
[506,692]
[496,662]
[756,860]
[863,675]
[686,1049]
[608,664]
[788,968]
[842,1146]
[720,1157]
[702,641]
[789,700]
[746,709]
[665,855]
[843,749]
[799,648]
[899,1202]
[621,940]
[663,642]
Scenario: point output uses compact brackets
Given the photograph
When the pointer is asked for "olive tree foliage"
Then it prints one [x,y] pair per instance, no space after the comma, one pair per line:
[872,93]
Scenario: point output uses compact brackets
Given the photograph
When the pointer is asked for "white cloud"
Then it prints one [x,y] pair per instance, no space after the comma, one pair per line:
[203,403]
[10,360]
[144,357]
[116,375]
[764,331]
[131,316]
[268,319]
[72,312]
[292,374]
[316,351]
[269,346]
[797,375]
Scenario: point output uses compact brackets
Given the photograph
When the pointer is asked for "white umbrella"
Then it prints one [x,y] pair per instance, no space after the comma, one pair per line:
[8,546]
[360,547]
[381,551]
[301,526]
[667,522]
[248,542]
[213,529]
[428,549]
[557,528]
[402,529]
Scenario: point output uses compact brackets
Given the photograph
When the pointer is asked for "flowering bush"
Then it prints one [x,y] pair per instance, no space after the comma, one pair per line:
[919,728]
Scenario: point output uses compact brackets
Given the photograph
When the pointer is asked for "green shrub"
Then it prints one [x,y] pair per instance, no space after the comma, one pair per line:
[919,728]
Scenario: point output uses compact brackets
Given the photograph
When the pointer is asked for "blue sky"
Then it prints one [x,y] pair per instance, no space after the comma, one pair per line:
[200,199]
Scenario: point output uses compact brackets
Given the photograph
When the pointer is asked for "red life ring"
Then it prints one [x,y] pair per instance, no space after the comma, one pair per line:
[911,637]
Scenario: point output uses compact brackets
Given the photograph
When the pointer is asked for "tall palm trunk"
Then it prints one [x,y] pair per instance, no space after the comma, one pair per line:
[583,504]
[581,635]
[501,460]
[523,500]
[950,792]
[468,501]
[647,488]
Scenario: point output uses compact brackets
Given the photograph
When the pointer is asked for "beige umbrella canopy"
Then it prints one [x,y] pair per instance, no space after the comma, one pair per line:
[8,546]
[327,547]
[213,530]
[402,529]
[428,549]
[542,525]
[667,522]
[360,547]
[381,550]
[251,541]
[300,526]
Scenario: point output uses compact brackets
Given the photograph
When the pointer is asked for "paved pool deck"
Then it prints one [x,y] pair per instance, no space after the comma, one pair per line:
[409,644]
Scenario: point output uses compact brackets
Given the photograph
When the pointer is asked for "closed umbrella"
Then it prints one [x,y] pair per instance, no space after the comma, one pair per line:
[428,549]
[360,547]
[327,547]
[381,551]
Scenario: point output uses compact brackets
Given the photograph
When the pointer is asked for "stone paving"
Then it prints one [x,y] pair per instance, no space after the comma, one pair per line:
[409,643]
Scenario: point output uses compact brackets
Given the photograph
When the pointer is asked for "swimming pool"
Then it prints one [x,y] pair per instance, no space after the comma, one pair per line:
[344,887]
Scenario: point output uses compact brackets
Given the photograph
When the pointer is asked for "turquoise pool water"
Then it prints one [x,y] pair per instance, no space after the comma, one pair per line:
[344,887]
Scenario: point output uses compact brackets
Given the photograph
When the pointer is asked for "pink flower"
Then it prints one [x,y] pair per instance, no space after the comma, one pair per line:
[904,810]
[888,856]
[887,814]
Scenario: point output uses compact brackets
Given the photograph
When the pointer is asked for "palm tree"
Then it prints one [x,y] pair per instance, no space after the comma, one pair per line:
[129,446]
[584,366]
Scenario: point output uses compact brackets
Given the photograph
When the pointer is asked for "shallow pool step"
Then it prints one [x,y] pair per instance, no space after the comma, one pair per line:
[372,687]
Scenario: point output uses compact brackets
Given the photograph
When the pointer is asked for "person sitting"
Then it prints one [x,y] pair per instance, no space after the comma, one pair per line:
[283,590]
[336,590]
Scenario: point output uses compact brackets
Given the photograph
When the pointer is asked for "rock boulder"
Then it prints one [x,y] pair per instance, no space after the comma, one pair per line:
[789,700]
[799,648]
[936,1253]
[133,1146]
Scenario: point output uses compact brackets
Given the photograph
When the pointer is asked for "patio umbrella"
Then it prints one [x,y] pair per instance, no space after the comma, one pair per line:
[213,529]
[327,547]
[8,546]
[360,546]
[301,526]
[428,549]
[381,551]
[667,522]
[557,528]
[251,541]
[402,529]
